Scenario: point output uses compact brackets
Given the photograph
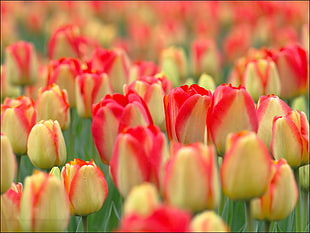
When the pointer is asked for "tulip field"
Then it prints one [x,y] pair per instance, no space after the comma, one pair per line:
[157,116]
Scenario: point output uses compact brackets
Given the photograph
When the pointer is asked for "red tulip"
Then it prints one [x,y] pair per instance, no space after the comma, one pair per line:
[232,110]
[186,110]
[138,157]
[111,115]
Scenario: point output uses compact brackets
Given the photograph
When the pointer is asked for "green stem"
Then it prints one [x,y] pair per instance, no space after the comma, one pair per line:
[249,216]
[18,161]
[305,201]
[298,205]
[85,225]
[22,90]
[267,226]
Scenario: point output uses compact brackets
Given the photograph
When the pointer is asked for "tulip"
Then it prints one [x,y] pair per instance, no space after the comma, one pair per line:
[63,72]
[305,37]
[261,78]
[113,62]
[21,63]
[253,56]
[267,108]
[191,179]
[246,167]
[173,64]
[17,118]
[8,164]
[142,199]
[207,82]
[237,42]
[232,110]
[152,90]
[138,157]
[281,196]
[7,89]
[162,219]
[85,185]
[208,221]
[10,208]
[67,41]
[290,138]
[111,115]
[52,103]
[186,110]
[205,58]
[46,145]
[292,64]
[142,68]
[44,204]
[89,89]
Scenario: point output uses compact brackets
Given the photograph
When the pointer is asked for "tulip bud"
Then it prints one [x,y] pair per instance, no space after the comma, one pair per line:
[63,72]
[113,62]
[55,171]
[114,113]
[292,64]
[205,58]
[10,208]
[261,78]
[142,200]
[137,157]
[281,196]
[173,64]
[232,110]
[17,118]
[162,219]
[186,110]
[142,68]
[21,63]
[8,164]
[64,42]
[152,90]
[191,179]
[267,108]
[7,89]
[208,221]
[207,82]
[89,89]
[44,204]
[246,156]
[46,145]
[304,177]
[86,186]
[290,138]
[52,103]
